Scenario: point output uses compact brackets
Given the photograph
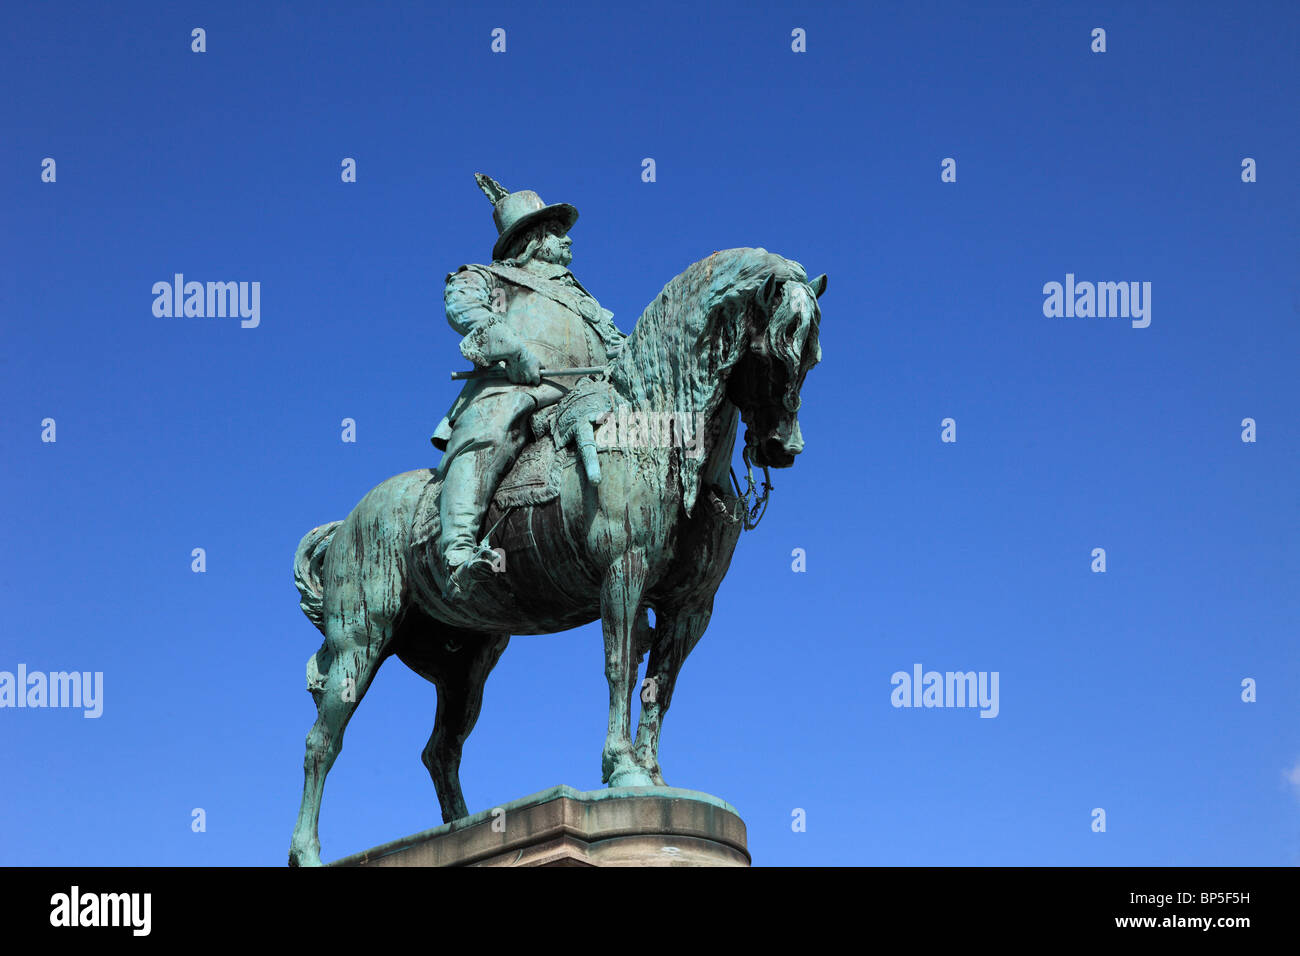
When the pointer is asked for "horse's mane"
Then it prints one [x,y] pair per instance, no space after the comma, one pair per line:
[688,338]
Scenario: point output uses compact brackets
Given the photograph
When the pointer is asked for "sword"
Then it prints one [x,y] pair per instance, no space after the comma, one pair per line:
[499,371]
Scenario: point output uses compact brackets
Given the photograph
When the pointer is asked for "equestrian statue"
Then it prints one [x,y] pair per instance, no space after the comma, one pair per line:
[584,476]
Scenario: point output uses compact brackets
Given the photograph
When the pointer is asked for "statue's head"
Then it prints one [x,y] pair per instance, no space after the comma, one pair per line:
[783,345]
[545,242]
[522,218]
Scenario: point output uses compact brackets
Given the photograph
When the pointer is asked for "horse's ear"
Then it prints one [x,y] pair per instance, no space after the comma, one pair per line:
[769,288]
[818,285]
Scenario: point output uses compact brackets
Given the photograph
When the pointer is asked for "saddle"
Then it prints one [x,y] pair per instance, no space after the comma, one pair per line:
[535,477]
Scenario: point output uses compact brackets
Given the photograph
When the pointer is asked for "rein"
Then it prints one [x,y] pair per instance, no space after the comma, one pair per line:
[755,504]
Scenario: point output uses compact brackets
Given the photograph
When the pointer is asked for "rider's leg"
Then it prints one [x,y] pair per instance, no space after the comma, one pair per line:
[485,442]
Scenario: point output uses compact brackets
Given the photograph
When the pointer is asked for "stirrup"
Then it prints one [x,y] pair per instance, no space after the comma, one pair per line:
[479,566]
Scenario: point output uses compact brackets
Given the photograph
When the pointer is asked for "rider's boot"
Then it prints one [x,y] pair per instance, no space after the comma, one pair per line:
[461,506]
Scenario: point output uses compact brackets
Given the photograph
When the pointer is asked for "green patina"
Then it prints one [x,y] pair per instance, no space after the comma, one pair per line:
[609,532]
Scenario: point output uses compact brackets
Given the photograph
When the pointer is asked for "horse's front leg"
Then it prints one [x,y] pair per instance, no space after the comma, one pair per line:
[642,640]
[620,603]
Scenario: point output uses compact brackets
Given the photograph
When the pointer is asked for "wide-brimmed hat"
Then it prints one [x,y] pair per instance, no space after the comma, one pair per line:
[515,213]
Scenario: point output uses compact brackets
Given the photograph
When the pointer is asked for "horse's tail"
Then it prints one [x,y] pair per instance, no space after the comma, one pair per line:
[306,571]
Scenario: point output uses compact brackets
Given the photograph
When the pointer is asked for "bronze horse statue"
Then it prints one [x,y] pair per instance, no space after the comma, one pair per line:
[729,339]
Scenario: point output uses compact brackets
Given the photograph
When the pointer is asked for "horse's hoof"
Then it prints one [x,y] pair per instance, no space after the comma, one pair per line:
[631,778]
[304,858]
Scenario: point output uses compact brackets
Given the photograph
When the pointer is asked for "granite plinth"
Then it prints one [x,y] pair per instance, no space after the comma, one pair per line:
[620,826]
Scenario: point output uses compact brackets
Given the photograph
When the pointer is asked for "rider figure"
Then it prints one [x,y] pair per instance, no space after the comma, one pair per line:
[529,312]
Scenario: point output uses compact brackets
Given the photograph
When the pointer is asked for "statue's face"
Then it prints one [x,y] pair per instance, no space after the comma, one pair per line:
[556,248]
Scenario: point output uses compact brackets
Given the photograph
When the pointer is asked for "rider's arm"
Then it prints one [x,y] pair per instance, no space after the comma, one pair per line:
[470,296]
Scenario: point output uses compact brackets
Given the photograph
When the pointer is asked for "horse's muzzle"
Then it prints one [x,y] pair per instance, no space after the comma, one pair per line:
[779,451]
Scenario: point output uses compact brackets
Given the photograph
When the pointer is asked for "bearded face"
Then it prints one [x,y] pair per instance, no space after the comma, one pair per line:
[556,248]
[545,243]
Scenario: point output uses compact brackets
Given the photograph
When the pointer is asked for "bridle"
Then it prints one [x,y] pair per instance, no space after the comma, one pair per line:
[754,504]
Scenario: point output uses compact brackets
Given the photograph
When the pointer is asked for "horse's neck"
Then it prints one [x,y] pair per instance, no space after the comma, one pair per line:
[696,397]
[684,348]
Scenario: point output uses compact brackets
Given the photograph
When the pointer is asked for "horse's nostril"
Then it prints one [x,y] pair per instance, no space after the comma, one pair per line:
[777,454]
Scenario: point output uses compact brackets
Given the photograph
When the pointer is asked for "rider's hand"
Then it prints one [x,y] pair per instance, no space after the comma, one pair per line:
[523,368]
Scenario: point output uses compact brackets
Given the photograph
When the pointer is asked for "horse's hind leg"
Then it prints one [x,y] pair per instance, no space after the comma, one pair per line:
[344,668]
[675,635]
[459,666]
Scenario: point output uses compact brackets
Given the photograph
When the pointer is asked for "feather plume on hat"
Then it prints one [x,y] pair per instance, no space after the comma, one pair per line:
[494,191]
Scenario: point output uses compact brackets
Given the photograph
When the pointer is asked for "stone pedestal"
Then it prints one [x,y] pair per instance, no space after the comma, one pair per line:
[624,826]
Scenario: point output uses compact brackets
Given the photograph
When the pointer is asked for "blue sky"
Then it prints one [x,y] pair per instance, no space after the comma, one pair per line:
[1119,690]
